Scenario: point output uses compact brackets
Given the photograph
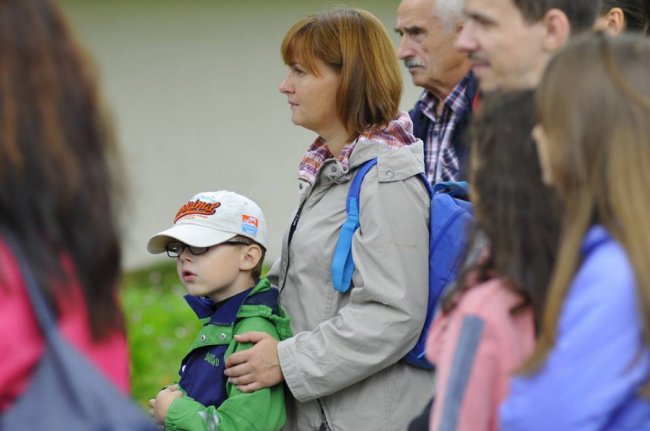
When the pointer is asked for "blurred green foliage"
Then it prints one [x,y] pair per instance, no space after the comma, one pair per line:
[160,327]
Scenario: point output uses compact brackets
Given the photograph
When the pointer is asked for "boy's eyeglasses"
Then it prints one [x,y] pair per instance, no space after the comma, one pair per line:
[175,248]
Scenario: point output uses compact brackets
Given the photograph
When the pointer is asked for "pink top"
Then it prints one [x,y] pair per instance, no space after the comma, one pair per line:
[21,342]
[476,348]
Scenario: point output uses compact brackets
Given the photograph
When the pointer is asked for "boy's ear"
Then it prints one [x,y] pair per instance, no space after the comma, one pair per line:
[250,257]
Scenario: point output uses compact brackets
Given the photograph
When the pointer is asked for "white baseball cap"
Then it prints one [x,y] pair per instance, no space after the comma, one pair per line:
[211,218]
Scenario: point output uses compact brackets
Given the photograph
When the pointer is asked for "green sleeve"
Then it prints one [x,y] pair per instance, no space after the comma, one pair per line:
[262,410]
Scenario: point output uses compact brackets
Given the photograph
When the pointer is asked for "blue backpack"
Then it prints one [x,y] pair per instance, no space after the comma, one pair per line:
[448,222]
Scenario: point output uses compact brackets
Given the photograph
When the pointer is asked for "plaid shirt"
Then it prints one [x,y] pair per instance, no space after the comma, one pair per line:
[397,133]
[440,159]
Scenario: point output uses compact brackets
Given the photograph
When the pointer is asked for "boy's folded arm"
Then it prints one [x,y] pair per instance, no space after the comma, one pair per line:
[262,410]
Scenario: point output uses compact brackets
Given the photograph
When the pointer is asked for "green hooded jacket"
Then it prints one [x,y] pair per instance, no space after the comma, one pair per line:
[262,410]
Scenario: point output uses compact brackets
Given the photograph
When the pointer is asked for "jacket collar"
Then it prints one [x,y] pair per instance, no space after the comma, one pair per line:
[225,312]
[220,313]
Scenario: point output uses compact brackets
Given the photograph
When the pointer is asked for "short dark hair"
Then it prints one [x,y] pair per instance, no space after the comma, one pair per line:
[581,13]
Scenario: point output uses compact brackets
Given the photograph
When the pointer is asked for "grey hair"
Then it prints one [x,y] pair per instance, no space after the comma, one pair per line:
[450,13]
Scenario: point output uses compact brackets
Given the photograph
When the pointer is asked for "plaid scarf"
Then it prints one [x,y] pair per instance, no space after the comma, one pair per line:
[396,134]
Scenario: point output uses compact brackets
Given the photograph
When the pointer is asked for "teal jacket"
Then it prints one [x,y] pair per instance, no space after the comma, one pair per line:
[210,402]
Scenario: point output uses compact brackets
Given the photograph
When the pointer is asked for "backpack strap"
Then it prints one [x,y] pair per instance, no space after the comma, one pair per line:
[44,315]
[456,189]
[342,263]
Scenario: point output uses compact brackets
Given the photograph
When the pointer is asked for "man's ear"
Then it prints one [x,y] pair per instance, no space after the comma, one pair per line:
[250,257]
[558,30]
[615,20]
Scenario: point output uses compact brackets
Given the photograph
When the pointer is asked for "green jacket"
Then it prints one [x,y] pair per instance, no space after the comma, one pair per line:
[210,403]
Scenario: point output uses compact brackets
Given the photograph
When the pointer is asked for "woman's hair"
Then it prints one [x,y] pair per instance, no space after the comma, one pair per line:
[514,211]
[356,45]
[636,13]
[594,105]
[56,159]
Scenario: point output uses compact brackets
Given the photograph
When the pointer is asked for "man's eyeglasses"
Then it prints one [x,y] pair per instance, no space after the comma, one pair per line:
[175,248]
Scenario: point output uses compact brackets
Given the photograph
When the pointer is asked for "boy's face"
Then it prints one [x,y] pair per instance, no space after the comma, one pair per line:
[216,274]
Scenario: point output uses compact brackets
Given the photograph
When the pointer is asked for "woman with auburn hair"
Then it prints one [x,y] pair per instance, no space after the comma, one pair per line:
[591,367]
[343,365]
[617,16]
[57,199]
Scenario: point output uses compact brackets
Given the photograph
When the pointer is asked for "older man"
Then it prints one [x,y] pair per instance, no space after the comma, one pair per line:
[428,31]
[509,42]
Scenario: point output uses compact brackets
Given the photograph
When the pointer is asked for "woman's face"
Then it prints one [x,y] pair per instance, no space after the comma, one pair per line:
[541,142]
[312,97]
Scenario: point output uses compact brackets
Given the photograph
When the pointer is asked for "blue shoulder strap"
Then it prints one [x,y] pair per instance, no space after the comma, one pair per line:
[457,189]
[342,263]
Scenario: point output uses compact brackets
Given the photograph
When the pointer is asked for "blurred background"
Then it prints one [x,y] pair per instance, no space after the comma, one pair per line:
[192,87]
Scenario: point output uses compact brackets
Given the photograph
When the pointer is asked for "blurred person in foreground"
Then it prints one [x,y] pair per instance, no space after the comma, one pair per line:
[58,198]
[591,366]
[489,319]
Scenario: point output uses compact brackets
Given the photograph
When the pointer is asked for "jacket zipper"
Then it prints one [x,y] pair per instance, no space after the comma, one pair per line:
[324,424]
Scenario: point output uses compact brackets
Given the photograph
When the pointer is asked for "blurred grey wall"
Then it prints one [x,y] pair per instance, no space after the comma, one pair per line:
[192,85]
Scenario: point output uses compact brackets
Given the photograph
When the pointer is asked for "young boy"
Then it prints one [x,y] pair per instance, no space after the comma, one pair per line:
[219,241]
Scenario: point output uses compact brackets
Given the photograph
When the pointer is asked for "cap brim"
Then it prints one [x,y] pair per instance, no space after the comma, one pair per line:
[194,235]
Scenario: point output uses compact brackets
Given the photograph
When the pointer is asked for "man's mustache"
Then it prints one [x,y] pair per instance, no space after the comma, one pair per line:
[412,62]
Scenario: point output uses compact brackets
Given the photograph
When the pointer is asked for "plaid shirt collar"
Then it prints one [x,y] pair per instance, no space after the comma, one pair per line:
[455,102]
[397,133]
[440,157]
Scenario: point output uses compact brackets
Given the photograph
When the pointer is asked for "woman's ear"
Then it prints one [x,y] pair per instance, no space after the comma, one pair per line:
[250,257]
[615,21]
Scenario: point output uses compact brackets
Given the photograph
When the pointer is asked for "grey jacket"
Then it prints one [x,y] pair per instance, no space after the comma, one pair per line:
[343,365]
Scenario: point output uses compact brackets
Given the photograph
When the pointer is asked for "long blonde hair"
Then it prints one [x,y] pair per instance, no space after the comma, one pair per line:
[594,105]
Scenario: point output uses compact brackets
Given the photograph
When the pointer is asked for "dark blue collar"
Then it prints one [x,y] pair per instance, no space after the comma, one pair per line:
[220,313]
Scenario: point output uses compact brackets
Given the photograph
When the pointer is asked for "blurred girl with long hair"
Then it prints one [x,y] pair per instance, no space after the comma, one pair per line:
[591,366]
[57,198]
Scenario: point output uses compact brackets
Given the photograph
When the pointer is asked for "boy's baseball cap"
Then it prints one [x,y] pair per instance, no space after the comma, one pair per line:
[211,218]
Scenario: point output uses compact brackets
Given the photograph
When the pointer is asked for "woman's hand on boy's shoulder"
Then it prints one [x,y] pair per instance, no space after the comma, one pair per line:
[257,367]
